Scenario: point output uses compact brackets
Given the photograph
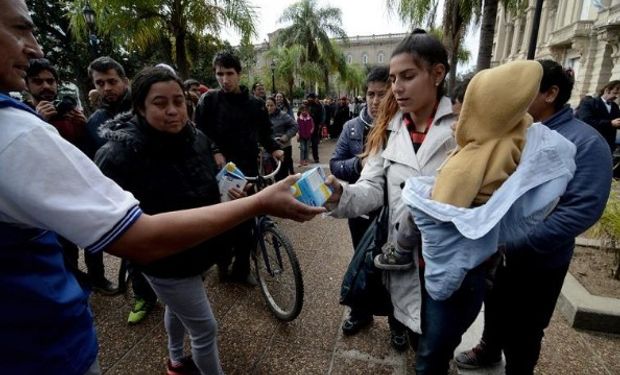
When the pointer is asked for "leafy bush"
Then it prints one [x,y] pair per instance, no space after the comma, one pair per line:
[607,229]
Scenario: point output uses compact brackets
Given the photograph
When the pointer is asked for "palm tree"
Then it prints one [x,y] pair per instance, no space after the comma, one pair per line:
[311,27]
[458,15]
[487,30]
[140,23]
[415,12]
[293,65]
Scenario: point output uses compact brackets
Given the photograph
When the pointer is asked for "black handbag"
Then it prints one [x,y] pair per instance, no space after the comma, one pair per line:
[362,285]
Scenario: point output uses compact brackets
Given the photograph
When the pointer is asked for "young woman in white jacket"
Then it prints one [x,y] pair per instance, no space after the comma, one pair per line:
[412,136]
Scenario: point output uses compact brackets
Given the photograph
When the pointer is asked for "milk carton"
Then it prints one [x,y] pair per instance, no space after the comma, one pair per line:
[311,189]
[230,176]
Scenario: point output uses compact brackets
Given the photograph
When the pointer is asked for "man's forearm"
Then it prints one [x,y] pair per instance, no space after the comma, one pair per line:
[154,237]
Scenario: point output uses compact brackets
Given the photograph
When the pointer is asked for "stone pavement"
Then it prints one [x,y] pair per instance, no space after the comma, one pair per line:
[252,341]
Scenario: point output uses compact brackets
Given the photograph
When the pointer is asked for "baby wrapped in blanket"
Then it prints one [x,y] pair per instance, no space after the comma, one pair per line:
[504,177]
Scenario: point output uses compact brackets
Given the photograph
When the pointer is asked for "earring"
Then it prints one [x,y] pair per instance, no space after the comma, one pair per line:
[437,83]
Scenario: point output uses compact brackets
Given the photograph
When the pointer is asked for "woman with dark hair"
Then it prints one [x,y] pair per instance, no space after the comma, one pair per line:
[155,153]
[411,136]
[283,104]
[284,129]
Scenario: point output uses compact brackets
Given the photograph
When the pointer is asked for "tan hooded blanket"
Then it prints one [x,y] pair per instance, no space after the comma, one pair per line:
[490,133]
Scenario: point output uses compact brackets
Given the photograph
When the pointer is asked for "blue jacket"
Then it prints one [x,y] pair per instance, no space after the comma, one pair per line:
[345,164]
[551,244]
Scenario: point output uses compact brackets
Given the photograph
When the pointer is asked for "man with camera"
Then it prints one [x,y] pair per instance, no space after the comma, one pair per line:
[60,109]
[57,107]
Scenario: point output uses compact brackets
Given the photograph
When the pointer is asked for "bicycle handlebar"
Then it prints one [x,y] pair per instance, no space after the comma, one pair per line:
[266,177]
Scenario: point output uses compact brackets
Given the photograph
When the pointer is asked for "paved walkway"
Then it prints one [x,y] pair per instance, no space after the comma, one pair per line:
[252,341]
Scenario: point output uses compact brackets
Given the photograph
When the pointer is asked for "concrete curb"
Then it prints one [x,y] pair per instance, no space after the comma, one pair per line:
[584,310]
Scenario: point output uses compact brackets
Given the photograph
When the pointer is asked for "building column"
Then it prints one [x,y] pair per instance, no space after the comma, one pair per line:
[527,31]
[514,45]
[602,63]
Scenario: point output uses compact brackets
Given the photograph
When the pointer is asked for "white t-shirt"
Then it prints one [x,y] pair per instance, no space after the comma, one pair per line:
[47,183]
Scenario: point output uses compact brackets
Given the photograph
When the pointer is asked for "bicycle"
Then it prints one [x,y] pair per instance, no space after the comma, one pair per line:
[276,266]
[275,263]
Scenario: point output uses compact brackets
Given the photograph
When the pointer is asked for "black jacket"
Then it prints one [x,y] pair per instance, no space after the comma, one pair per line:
[236,123]
[165,172]
[592,110]
[105,112]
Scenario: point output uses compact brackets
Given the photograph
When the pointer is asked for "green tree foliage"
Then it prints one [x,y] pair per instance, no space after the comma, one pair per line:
[487,29]
[311,27]
[457,16]
[142,24]
[414,12]
[66,51]
[292,66]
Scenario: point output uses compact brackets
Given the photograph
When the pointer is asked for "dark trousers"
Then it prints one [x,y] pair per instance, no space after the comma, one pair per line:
[141,288]
[444,322]
[94,262]
[518,309]
[287,164]
[315,139]
[239,242]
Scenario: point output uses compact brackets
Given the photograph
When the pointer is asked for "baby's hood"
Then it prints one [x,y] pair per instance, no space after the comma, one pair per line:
[496,101]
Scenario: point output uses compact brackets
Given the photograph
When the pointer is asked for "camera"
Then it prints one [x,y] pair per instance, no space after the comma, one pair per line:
[65,102]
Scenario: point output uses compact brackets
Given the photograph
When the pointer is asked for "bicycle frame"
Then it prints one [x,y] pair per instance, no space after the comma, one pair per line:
[261,223]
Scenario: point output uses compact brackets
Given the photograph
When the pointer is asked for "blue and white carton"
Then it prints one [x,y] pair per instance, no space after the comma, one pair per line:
[310,189]
[230,176]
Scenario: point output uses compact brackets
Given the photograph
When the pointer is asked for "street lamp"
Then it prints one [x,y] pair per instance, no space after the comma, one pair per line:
[89,16]
[273,77]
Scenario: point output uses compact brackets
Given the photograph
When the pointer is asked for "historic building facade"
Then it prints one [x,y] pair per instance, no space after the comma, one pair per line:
[361,50]
[581,34]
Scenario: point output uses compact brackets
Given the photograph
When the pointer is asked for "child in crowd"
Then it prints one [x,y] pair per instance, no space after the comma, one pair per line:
[489,146]
[306,127]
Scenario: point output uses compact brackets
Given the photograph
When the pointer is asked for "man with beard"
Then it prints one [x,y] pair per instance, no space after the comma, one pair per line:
[63,114]
[110,81]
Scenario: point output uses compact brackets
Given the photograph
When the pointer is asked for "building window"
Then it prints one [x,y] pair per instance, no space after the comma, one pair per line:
[349,59]
[364,59]
[380,57]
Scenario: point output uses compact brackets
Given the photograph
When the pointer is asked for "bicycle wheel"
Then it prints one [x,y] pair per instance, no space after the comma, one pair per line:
[279,274]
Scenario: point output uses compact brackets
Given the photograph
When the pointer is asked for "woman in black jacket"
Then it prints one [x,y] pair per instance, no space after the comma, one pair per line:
[155,153]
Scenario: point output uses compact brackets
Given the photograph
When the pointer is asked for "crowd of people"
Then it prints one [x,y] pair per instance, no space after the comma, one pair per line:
[137,179]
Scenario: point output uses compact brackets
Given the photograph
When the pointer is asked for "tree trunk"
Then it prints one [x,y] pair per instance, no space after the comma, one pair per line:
[181,55]
[325,81]
[487,29]
[454,57]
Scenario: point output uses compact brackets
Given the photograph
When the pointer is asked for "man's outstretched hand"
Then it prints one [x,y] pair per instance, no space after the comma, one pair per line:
[278,200]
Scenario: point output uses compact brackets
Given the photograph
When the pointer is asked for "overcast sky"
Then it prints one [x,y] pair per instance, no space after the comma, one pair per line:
[359,17]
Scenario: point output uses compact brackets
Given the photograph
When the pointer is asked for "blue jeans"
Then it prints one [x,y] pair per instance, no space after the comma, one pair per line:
[187,307]
[444,322]
[303,149]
